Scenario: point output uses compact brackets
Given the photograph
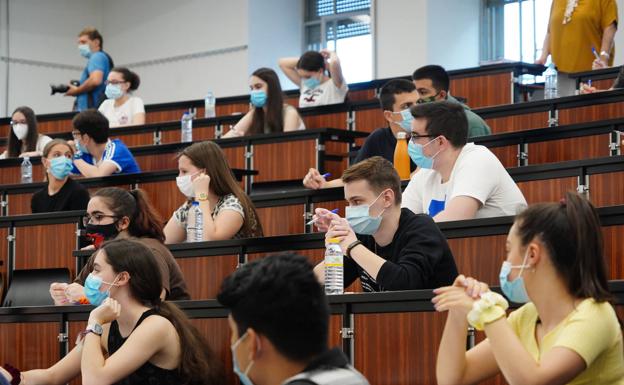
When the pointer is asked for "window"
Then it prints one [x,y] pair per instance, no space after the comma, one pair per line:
[343,26]
[514,29]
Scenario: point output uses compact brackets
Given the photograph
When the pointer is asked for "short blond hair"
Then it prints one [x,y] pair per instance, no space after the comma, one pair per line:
[92,34]
[378,172]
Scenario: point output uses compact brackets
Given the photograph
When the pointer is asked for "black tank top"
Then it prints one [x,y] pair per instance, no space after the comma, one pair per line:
[148,373]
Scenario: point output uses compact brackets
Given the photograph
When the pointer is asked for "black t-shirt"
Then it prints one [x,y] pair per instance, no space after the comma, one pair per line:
[72,196]
[417,258]
[380,142]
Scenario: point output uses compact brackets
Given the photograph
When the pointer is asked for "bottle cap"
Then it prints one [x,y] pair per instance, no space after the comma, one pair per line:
[333,240]
[195,203]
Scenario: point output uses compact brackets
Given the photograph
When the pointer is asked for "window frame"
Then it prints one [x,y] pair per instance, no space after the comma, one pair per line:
[323,22]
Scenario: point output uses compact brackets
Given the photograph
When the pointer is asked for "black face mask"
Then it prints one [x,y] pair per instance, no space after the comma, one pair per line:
[107,232]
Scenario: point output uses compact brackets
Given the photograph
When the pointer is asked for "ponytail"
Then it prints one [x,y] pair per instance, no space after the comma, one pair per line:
[146,221]
[198,362]
[571,232]
[129,76]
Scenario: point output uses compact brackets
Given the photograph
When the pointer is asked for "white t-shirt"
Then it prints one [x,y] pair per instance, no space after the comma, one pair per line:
[122,115]
[478,174]
[325,93]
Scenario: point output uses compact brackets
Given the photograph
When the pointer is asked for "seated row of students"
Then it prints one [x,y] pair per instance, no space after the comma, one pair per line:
[566,332]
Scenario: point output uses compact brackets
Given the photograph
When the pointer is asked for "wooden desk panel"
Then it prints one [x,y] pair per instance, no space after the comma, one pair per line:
[39,247]
[3,260]
[369,120]
[507,155]
[51,126]
[591,113]
[361,95]
[485,90]
[134,140]
[518,122]
[399,348]
[586,147]
[165,197]
[231,109]
[217,333]
[479,257]
[549,190]
[281,220]
[203,275]
[337,120]
[12,175]
[19,204]
[283,161]
[606,189]
[29,345]
[614,249]
[168,115]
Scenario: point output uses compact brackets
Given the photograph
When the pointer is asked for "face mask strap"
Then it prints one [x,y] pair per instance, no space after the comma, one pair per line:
[373,202]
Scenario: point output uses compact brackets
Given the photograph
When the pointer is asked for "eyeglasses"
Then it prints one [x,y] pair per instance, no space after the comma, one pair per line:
[14,122]
[415,137]
[97,218]
[114,82]
[76,134]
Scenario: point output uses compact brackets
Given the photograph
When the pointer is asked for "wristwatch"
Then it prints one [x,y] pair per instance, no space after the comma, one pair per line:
[202,197]
[93,328]
[605,53]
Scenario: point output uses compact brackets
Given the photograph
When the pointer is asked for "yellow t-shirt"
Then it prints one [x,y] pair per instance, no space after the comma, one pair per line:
[592,330]
[571,44]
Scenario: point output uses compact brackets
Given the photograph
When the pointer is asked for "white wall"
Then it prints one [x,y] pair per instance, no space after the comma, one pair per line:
[175,46]
[146,31]
[453,33]
[272,37]
[401,34]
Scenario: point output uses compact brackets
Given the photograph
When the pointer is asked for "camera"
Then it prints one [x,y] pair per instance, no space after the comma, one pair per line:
[62,88]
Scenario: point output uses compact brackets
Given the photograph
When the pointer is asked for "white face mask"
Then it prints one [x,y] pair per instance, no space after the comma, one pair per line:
[20,130]
[185,185]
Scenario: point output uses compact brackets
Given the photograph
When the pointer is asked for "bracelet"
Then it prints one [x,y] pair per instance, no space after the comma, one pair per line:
[488,309]
[605,53]
[351,246]
[15,373]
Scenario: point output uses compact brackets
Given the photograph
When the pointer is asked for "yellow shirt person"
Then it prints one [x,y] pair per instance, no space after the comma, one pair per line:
[571,42]
[592,331]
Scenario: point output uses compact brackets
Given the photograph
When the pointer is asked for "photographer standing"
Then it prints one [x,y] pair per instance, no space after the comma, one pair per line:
[90,92]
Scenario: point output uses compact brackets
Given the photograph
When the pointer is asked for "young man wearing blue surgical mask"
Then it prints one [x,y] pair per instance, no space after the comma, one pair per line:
[387,247]
[90,92]
[268,113]
[96,155]
[309,72]
[432,83]
[279,321]
[456,180]
[395,98]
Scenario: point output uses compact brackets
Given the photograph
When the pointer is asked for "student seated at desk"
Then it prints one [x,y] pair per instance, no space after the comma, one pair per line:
[114,213]
[132,335]
[23,138]
[279,323]
[387,247]
[308,72]
[96,155]
[62,193]
[456,180]
[268,111]
[121,107]
[206,177]
[395,99]
[566,331]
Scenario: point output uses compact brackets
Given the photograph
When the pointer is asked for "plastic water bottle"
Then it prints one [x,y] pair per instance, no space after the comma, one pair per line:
[195,224]
[187,127]
[209,105]
[26,170]
[550,82]
[334,268]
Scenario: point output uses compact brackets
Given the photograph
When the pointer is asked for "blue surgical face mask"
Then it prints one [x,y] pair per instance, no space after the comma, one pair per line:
[514,290]
[243,375]
[60,167]
[311,82]
[415,151]
[406,122]
[258,98]
[92,289]
[113,91]
[84,49]
[360,220]
[80,147]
